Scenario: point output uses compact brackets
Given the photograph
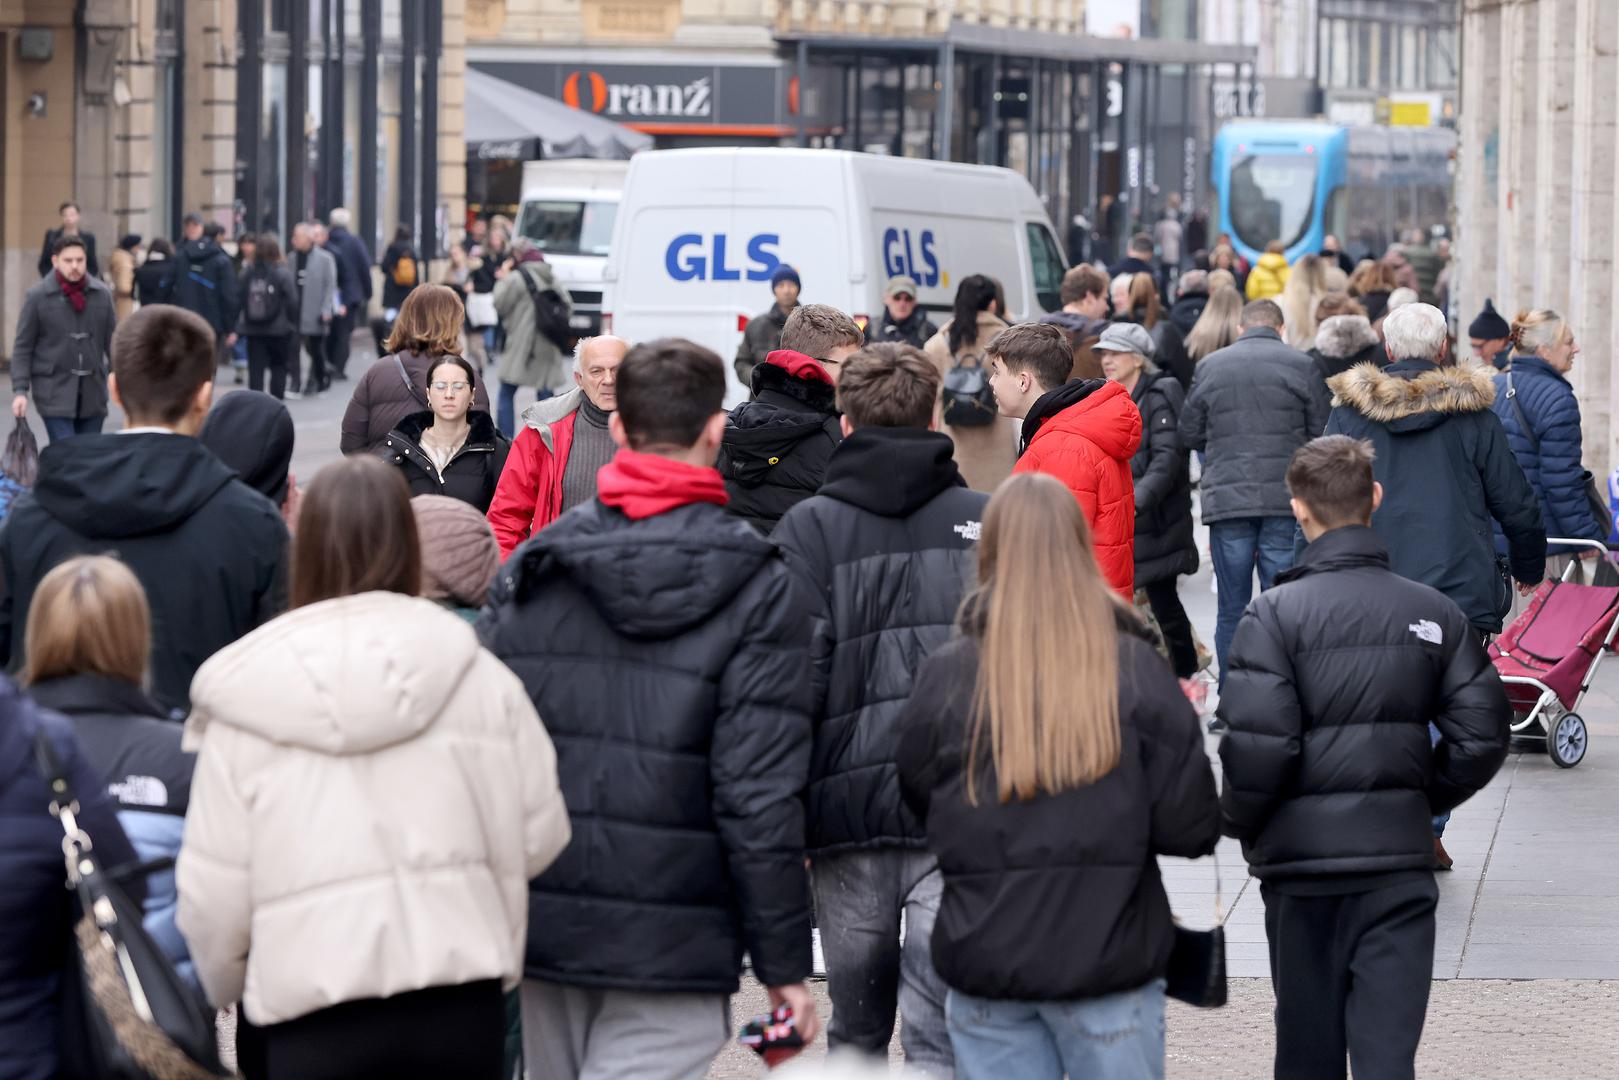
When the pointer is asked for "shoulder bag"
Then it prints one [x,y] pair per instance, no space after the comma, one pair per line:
[410,387]
[1196,972]
[140,1020]
[1593,494]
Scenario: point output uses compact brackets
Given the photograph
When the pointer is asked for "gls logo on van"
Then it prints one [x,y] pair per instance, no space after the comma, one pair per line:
[686,259]
[899,257]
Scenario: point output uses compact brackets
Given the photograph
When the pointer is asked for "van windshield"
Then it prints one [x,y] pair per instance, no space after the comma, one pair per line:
[568,227]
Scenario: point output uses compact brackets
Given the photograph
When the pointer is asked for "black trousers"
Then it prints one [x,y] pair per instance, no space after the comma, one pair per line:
[315,346]
[444,1031]
[1351,975]
[272,354]
[338,338]
[1172,620]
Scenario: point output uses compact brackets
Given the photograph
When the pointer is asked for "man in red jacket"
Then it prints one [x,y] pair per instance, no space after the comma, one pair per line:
[563,442]
[1082,432]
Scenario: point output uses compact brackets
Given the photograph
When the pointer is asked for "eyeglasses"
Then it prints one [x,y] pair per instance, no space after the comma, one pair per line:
[903,298]
[441,387]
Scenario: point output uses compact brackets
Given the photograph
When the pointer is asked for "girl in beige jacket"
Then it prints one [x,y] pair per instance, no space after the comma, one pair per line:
[373,792]
[984,454]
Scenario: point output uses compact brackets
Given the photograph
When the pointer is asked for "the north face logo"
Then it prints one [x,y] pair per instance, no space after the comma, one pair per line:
[1427,631]
[969,530]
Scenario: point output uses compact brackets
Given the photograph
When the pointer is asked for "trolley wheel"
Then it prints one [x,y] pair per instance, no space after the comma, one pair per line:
[1567,740]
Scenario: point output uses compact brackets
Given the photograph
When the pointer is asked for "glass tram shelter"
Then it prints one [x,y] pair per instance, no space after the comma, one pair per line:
[1081,117]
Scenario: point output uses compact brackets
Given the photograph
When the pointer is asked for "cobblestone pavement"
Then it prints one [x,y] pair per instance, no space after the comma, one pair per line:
[1478,1029]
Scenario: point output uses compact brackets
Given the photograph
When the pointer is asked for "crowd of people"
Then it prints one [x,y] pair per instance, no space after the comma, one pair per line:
[500,747]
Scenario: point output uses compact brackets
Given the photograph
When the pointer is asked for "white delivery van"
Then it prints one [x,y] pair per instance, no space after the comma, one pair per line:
[700,231]
[568,209]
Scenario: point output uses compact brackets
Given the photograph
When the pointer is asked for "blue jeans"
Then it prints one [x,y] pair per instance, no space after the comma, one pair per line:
[1442,820]
[65,427]
[1115,1037]
[1236,546]
[506,407]
[859,896]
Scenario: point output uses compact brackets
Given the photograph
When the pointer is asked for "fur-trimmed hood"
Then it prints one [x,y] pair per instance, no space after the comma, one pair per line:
[1413,395]
[1344,335]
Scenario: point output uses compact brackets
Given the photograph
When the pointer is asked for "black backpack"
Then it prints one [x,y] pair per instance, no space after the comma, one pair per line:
[551,314]
[969,401]
[263,302]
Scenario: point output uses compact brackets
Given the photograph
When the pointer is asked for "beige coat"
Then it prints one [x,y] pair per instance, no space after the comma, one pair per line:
[373,793]
[985,454]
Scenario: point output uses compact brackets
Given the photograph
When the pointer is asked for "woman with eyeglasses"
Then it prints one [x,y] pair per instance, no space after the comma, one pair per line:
[451,448]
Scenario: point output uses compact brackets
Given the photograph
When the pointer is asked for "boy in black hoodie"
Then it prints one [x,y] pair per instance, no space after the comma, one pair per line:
[777,445]
[1330,778]
[886,550]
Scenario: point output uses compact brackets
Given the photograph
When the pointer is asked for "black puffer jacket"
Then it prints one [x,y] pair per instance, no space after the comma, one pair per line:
[1169,352]
[1187,309]
[668,658]
[886,550]
[1334,677]
[472,473]
[1165,547]
[777,446]
[1251,406]
[1059,897]
[210,550]
[1446,471]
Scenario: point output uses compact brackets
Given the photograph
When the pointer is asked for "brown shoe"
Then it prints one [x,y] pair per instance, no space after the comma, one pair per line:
[1441,857]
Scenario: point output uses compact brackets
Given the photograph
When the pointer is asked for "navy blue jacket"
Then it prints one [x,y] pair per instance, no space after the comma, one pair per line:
[36,910]
[353,266]
[1553,467]
[1446,471]
[205,283]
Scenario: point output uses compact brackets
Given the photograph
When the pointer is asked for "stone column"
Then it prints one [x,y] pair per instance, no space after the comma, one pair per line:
[1591,211]
[1520,119]
[210,110]
[1553,149]
[452,113]
[1478,164]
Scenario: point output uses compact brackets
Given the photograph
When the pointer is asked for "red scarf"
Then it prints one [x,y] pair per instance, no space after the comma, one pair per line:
[74,291]
[645,485]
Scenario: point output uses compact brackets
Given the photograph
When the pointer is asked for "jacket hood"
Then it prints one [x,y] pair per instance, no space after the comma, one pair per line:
[786,410]
[1097,409]
[1272,261]
[645,485]
[799,366]
[1339,549]
[115,486]
[199,250]
[1413,395]
[543,415]
[346,676]
[1078,325]
[480,427]
[891,471]
[651,579]
[252,434]
[1344,335]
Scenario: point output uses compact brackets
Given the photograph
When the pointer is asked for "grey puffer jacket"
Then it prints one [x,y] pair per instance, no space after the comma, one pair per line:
[46,356]
[1252,404]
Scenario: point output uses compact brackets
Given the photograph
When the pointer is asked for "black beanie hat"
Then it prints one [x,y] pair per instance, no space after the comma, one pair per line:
[1489,325]
[251,432]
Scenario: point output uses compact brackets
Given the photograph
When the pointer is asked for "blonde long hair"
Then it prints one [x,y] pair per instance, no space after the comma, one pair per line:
[1306,285]
[1218,326]
[1047,698]
[88,616]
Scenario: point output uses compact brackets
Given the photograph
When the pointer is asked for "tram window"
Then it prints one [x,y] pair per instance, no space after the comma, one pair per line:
[1272,198]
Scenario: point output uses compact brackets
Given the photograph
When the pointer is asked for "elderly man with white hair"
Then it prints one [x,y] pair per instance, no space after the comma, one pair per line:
[563,442]
[1446,471]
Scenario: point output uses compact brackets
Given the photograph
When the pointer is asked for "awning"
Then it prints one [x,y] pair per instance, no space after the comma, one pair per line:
[506,121]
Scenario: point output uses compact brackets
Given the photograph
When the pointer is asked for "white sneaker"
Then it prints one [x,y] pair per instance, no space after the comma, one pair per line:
[293,395]
[817,958]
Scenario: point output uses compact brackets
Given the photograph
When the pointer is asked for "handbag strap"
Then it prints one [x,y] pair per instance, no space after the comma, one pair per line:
[1523,420]
[64,806]
[410,387]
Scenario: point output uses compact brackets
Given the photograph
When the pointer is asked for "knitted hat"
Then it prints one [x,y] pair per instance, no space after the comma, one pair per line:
[785,273]
[459,552]
[1489,326]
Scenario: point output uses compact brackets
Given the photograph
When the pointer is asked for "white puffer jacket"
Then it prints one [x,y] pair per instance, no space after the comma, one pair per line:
[373,792]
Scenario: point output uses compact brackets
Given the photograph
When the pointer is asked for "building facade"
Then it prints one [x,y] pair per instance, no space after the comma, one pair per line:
[254,113]
[1537,184]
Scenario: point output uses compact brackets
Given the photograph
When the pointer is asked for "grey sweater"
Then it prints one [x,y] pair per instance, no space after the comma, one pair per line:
[592,448]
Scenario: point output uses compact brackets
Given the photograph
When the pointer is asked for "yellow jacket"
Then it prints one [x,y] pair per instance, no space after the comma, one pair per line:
[1268,277]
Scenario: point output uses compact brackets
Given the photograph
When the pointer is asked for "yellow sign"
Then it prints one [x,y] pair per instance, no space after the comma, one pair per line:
[1410,114]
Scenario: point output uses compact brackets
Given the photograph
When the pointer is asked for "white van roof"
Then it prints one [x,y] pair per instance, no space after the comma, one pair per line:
[579,174]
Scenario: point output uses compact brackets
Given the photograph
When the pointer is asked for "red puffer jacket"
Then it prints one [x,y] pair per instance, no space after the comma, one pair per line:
[1084,433]
[529,495]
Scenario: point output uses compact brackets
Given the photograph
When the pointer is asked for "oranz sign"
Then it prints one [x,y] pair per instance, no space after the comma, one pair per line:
[591,91]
